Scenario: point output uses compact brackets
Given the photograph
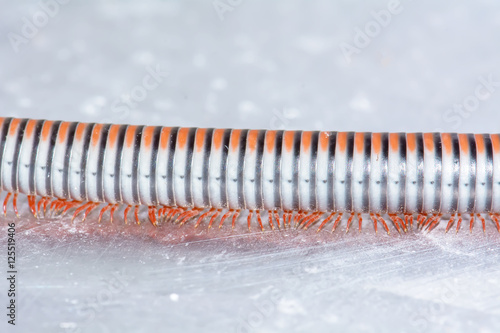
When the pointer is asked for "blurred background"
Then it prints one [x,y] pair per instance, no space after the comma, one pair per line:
[316,65]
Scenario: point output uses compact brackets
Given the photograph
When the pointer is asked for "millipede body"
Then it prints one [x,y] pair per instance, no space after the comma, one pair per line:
[295,178]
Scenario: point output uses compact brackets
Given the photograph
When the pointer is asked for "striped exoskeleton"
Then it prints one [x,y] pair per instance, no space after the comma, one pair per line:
[297,178]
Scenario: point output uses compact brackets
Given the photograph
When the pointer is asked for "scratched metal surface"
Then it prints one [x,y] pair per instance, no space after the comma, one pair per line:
[258,64]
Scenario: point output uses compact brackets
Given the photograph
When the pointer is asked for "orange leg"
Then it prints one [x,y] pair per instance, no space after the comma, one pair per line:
[395,222]
[298,217]
[14,203]
[46,204]
[337,221]
[494,217]
[349,221]
[69,205]
[54,203]
[161,211]
[285,219]
[183,215]
[421,219]
[403,224]
[202,216]
[277,217]
[32,204]
[471,222]
[306,219]
[103,210]
[152,215]
[191,214]
[5,202]
[483,221]
[89,209]
[407,220]
[213,218]
[249,219]
[136,214]
[450,222]
[224,217]
[171,214]
[290,216]
[61,206]
[314,219]
[381,220]
[235,217]
[270,215]
[177,212]
[259,219]
[374,219]
[112,212]
[125,213]
[79,209]
[435,222]
[39,205]
[325,221]
[459,222]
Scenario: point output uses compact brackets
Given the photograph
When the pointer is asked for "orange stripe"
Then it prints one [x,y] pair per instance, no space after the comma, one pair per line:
[30,127]
[1,120]
[130,135]
[80,129]
[324,140]
[359,141]
[394,141]
[63,131]
[306,141]
[270,140]
[480,143]
[411,141]
[217,138]
[342,141]
[288,139]
[464,143]
[252,139]
[113,135]
[13,126]
[164,136]
[200,138]
[377,142]
[148,135]
[235,139]
[446,142]
[495,142]
[47,125]
[429,141]
[96,134]
[182,136]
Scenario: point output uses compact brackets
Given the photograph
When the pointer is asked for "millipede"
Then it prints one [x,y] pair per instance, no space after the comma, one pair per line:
[274,178]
